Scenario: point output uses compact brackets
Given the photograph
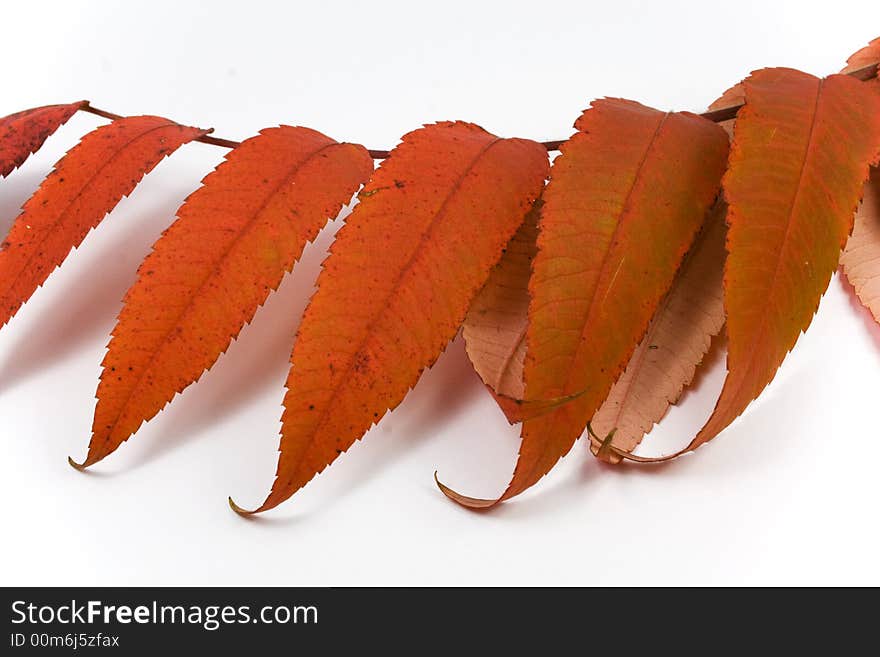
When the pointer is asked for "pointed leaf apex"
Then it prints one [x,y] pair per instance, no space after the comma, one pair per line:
[81,467]
[244,513]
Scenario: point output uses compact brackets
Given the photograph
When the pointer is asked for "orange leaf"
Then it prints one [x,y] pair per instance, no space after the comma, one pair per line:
[233,241]
[24,132]
[861,257]
[680,335]
[799,159]
[625,200]
[402,272]
[85,185]
[676,342]
[495,327]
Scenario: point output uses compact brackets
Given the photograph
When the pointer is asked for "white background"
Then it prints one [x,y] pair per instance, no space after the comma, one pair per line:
[788,495]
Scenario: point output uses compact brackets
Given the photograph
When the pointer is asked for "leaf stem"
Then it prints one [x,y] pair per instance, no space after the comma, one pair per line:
[717,116]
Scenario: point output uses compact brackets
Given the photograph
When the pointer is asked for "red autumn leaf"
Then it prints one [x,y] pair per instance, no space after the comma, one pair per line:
[232,243]
[495,327]
[624,202]
[402,272]
[800,156]
[22,133]
[85,185]
[680,335]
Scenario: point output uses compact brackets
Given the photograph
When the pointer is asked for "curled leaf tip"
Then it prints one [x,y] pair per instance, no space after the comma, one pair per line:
[78,466]
[244,513]
[463,500]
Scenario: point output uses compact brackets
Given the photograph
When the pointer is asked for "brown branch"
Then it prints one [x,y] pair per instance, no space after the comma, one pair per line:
[719,115]
[206,139]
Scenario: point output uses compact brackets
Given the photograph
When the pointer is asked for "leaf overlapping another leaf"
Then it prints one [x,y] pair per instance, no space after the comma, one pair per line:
[679,336]
[232,243]
[625,200]
[800,156]
[681,332]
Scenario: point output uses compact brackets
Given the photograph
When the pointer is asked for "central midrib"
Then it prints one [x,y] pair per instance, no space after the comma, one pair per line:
[625,208]
[586,315]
